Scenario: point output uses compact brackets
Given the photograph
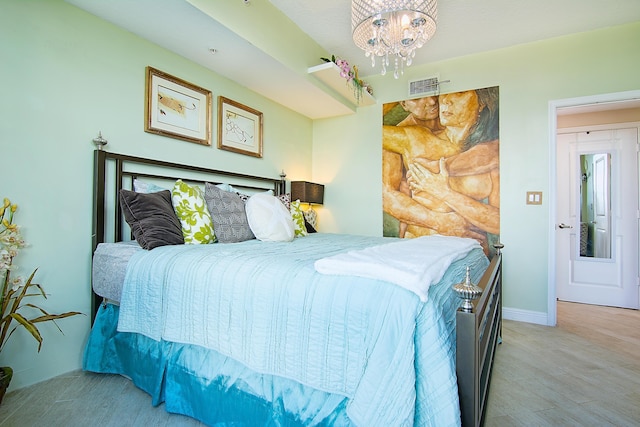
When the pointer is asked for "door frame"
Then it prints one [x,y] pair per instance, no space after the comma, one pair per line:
[554,105]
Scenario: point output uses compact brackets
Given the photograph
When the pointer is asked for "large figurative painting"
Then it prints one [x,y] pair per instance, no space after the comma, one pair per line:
[440,166]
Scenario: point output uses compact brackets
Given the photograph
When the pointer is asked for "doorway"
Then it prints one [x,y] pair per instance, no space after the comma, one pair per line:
[597,206]
[629,99]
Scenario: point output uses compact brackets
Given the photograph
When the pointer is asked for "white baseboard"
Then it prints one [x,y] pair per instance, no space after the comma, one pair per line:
[537,317]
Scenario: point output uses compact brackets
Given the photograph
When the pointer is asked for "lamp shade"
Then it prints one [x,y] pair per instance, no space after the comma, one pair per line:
[307,192]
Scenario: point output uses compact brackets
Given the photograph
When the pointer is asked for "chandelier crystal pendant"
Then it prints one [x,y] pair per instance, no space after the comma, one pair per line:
[393,29]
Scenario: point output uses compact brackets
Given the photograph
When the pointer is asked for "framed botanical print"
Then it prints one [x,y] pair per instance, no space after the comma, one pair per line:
[239,128]
[177,108]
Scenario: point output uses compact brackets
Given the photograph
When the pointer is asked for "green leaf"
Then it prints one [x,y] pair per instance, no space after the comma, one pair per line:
[50,317]
[13,303]
[28,325]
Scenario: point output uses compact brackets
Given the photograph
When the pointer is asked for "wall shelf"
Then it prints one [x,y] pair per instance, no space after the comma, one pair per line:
[329,74]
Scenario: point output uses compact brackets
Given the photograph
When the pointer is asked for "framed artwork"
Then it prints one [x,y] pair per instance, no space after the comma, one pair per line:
[177,108]
[239,128]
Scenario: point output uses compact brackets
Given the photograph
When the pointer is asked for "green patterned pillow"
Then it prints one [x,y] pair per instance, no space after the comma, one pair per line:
[298,219]
[191,210]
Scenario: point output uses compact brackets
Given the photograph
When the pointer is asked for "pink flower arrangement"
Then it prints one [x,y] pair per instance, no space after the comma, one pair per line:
[345,70]
[351,75]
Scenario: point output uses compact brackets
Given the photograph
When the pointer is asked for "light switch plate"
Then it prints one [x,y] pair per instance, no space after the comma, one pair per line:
[534,197]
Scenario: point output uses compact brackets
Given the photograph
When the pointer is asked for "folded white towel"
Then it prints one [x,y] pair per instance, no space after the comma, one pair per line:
[414,264]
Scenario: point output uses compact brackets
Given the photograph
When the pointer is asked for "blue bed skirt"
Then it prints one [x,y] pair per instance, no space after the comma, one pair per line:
[204,384]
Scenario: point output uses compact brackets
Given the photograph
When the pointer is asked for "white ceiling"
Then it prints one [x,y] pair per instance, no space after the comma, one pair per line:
[464,27]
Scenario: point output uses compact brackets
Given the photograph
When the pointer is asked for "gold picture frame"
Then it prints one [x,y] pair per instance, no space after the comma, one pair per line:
[239,128]
[177,108]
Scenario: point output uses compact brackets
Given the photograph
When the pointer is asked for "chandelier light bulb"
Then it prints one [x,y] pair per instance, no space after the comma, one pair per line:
[396,28]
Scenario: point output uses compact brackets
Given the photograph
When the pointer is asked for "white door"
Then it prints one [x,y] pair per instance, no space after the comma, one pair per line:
[597,218]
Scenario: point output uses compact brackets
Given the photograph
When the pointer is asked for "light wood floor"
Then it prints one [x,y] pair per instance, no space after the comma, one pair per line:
[585,372]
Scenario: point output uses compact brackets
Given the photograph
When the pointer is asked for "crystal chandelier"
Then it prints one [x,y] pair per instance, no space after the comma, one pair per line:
[392,28]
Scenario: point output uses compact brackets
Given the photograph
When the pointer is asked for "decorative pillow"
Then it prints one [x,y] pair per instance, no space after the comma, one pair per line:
[269,220]
[298,219]
[311,217]
[191,209]
[146,187]
[228,214]
[309,227]
[151,217]
[286,200]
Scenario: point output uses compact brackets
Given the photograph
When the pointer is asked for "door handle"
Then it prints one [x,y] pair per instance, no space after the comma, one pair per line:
[563,225]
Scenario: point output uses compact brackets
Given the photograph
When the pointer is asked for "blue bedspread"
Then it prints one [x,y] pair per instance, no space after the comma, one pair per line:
[264,305]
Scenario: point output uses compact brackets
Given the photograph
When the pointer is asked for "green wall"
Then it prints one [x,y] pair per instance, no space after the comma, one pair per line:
[347,150]
[67,75]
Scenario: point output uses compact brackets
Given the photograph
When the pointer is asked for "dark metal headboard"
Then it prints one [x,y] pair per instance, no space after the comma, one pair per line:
[113,172]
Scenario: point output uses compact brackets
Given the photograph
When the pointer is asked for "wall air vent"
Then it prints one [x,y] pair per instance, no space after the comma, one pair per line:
[423,86]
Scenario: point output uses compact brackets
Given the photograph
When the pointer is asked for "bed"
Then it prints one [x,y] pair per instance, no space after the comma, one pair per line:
[255,333]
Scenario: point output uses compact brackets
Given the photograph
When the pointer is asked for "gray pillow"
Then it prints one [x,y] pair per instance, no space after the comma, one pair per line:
[151,217]
[228,214]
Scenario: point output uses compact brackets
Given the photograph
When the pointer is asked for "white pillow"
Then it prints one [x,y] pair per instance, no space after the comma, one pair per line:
[227,187]
[269,219]
[140,186]
[231,189]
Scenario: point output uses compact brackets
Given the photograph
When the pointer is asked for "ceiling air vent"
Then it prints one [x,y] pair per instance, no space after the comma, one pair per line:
[424,86]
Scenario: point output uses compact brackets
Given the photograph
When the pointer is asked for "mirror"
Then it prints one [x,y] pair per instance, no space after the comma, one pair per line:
[595,205]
